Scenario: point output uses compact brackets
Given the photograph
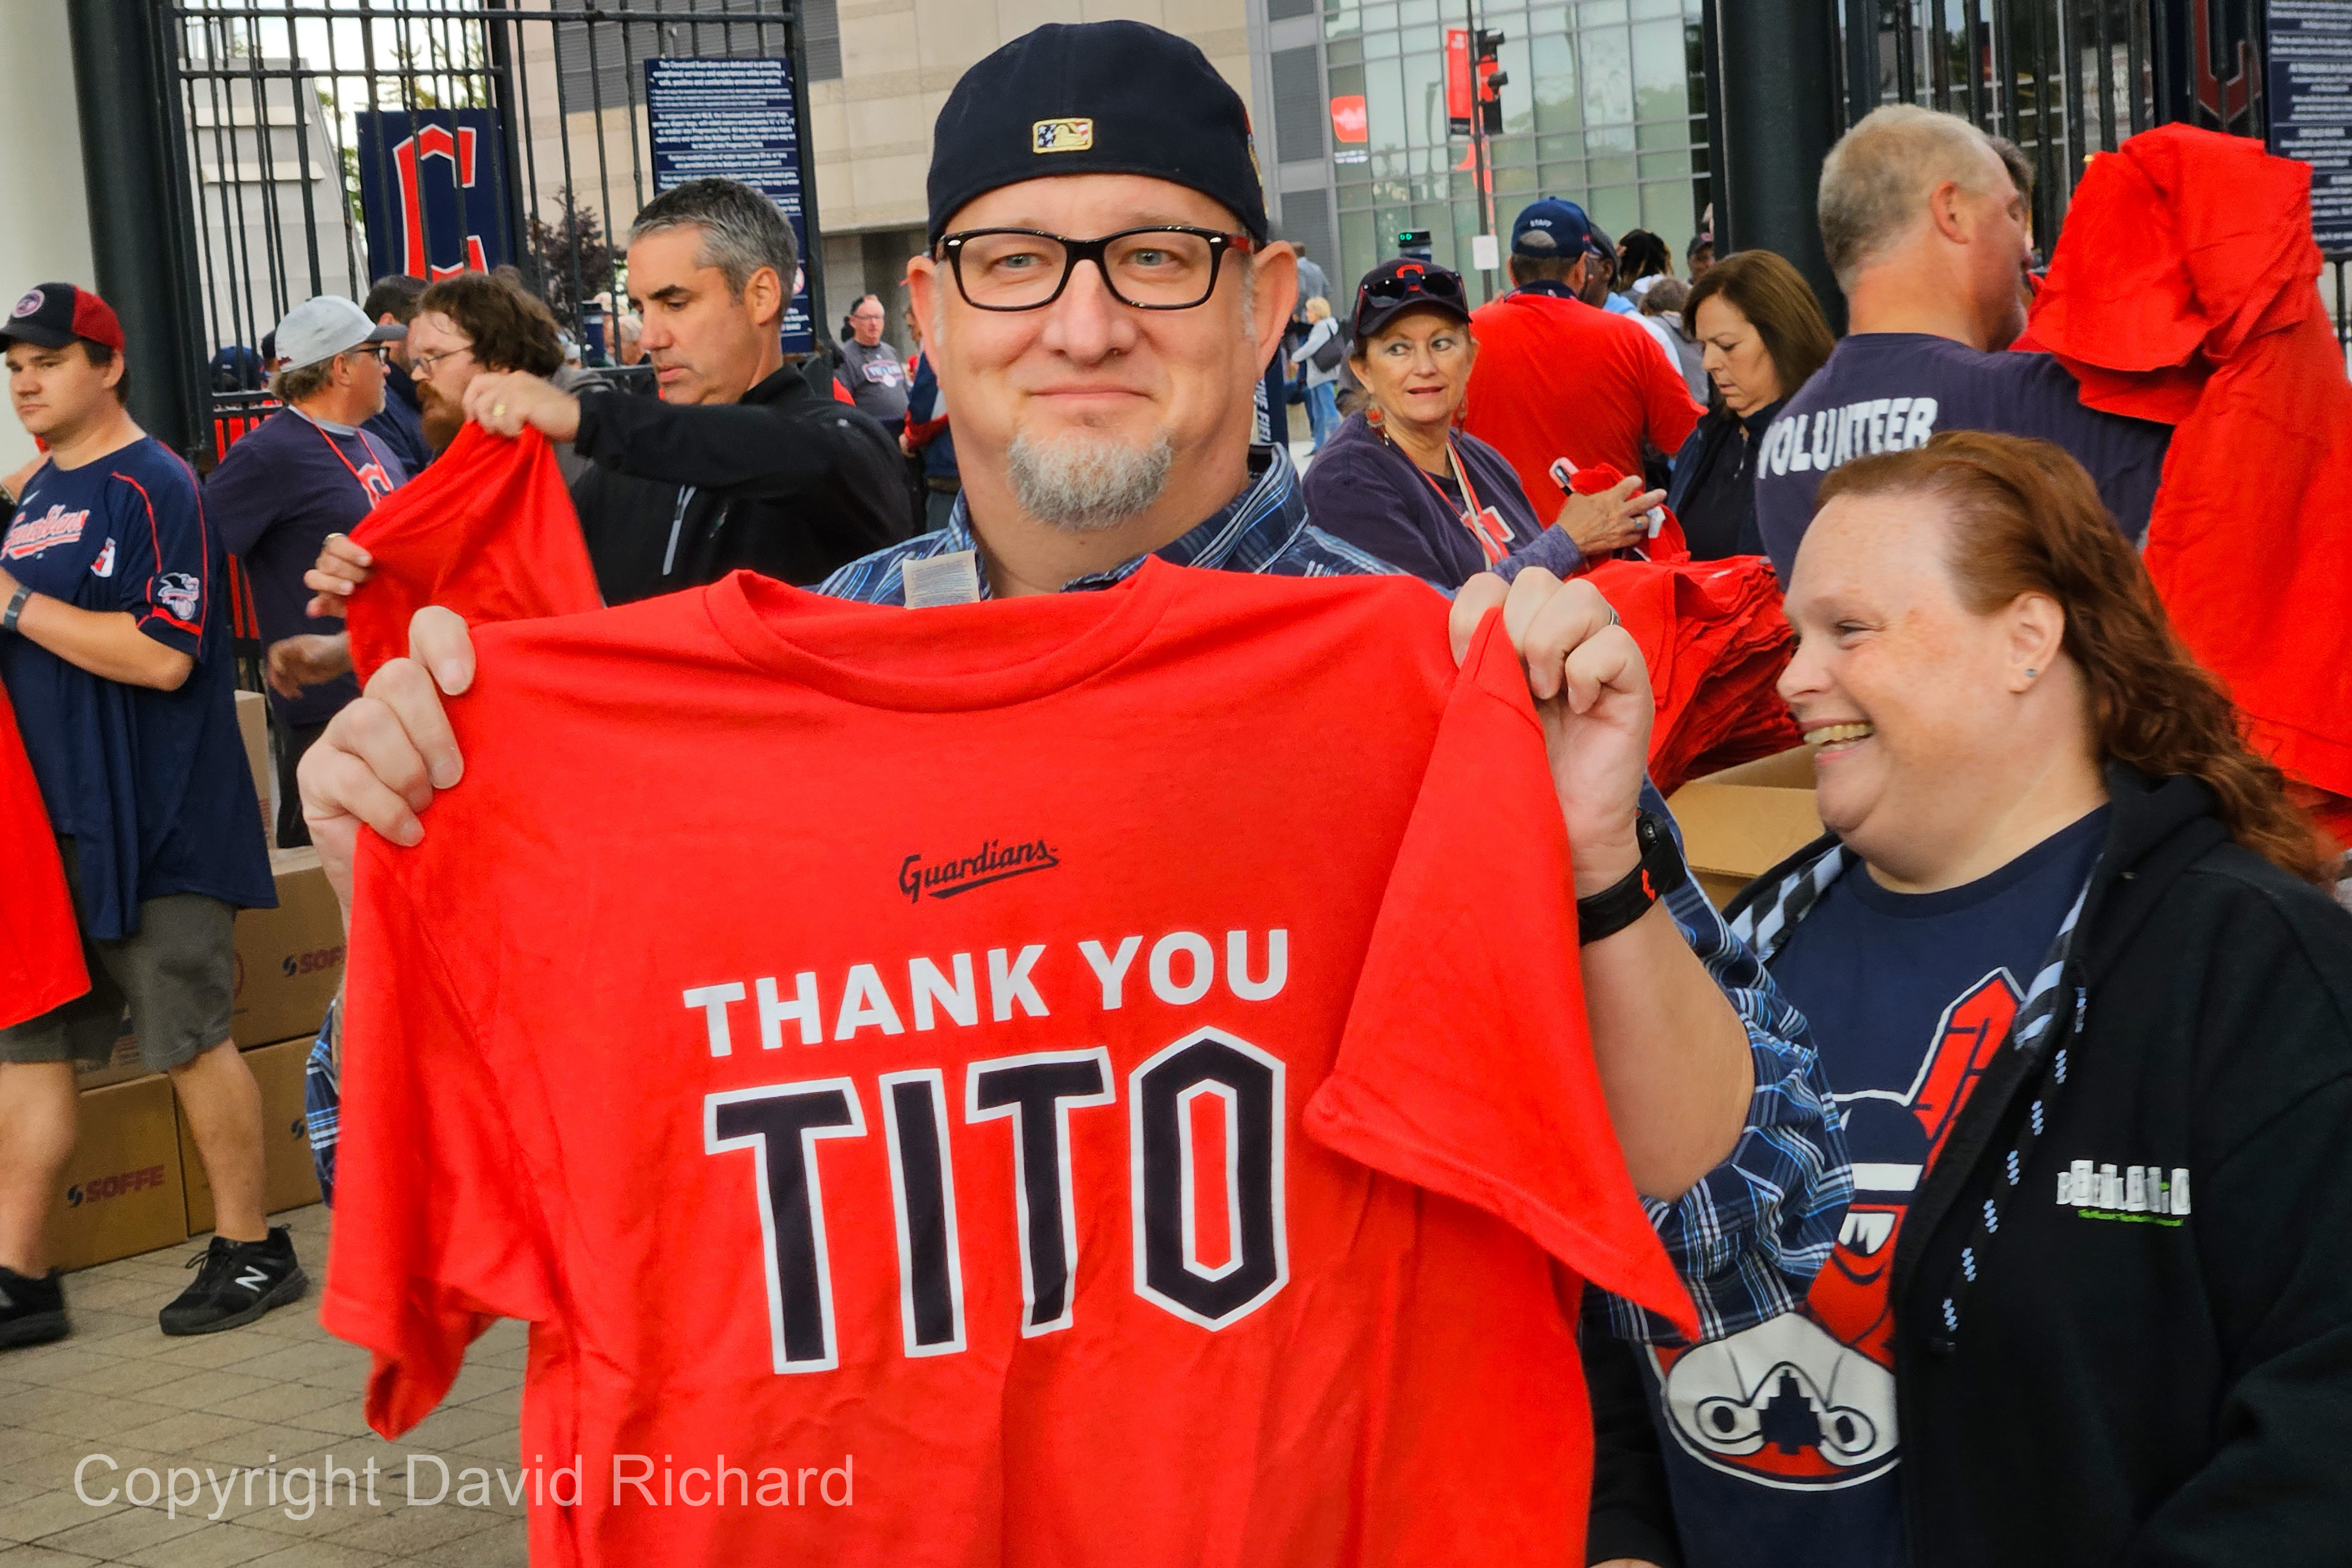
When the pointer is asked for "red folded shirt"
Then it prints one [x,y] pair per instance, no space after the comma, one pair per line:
[40,942]
[488,531]
[1716,641]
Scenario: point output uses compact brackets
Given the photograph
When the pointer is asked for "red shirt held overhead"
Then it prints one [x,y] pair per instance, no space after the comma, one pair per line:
[1558,378]
[1178,1145]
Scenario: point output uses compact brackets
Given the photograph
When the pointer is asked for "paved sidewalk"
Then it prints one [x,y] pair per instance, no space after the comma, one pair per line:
[281,1387]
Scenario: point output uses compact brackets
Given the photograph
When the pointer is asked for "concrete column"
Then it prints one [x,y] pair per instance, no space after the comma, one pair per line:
[1772,66]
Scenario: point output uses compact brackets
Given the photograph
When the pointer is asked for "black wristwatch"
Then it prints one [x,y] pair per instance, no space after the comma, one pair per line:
[1613,908]
[16,608]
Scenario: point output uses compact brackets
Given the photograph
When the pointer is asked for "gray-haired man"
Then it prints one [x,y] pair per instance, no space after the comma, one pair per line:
[1928,232]
[737,463]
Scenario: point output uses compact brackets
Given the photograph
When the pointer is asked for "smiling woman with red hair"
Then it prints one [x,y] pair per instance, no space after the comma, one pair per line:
[2090,1025]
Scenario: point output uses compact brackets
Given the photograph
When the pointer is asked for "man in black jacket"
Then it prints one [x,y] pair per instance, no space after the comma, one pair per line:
[737,463]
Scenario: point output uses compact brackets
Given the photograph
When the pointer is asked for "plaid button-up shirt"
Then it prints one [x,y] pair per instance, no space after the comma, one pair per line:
[1749,1238]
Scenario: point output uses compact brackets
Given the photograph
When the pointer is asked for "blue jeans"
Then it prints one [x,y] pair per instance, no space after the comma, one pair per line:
[1323,411]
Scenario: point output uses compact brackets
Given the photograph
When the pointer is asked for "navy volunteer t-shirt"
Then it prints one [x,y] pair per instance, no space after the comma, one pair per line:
[275,497]
[1781,1443]
[152,786]
[1884,391]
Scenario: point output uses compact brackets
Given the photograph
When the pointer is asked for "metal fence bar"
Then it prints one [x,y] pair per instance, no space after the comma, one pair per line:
[1906,71]
[567,228]
[2136,63]
[302,159]
[352,241]
[2107,140]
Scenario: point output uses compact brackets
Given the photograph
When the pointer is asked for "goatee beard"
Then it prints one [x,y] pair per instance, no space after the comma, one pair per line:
[1083,483]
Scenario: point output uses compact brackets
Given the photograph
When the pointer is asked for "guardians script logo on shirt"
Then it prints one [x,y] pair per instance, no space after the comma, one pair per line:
[995,862]
[31,536]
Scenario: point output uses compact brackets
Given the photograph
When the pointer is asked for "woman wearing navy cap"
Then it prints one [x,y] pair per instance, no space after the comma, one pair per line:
[1398,479]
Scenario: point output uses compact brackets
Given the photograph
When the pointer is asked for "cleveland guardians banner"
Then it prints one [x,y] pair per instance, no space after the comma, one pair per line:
[434,190]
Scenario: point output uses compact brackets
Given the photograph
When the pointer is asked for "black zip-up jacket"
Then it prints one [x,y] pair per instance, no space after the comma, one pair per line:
[783,483]
[2122,1391]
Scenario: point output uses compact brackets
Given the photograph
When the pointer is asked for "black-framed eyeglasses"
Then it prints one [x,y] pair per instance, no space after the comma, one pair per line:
[1170,267]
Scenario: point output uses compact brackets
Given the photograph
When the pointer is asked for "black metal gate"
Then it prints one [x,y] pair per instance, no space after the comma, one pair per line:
[2061,78]
[2065,78]
[280,111]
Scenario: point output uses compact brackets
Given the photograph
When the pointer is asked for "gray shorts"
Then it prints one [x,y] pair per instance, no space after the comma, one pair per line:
[178,976]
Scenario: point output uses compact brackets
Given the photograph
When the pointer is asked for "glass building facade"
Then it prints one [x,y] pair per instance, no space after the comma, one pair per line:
[1605,105]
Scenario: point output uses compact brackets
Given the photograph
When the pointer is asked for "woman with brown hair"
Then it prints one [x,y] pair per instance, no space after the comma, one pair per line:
[2090,1023]
[1762,336]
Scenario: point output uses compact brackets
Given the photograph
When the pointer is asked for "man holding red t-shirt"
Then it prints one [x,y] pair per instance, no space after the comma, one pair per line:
[1103,425]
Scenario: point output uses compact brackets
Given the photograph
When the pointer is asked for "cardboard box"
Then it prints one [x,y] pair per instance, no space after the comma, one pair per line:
[253,725]
[121,1193]
[290,959]
[288,1180]
[121,1068]
[1741,822]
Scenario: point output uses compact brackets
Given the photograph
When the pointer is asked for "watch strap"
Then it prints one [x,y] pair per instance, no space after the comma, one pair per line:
[1620,904]
[16,608]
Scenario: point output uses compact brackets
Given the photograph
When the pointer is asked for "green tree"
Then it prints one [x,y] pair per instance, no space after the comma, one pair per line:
[572,257]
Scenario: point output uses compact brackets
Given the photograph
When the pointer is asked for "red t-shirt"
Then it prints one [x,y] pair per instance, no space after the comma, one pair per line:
[488,531]
[40,941]
[1558,378]
[1175,1141]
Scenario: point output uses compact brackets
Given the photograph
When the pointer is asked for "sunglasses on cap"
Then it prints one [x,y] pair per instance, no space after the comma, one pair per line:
[1436,282]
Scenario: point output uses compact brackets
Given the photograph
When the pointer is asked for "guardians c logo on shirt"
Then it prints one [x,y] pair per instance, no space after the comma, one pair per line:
[31,536]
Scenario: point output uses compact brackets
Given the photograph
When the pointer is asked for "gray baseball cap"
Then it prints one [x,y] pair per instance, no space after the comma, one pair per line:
[318,330]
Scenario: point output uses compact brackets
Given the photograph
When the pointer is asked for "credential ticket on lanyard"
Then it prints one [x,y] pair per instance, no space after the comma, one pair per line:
[1484,523]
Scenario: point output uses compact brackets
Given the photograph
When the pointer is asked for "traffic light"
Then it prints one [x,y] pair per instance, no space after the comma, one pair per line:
[1491,78]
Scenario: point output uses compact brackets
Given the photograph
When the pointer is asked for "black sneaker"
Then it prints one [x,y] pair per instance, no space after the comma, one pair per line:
[240,1280]
[32,1312]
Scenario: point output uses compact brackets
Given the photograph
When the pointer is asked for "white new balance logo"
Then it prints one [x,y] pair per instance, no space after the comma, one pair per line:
[253,1280]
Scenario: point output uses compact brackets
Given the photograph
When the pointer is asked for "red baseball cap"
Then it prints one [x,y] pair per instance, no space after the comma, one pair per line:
[55,314]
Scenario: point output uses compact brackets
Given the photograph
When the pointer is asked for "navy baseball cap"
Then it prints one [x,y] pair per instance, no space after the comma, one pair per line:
[1393,288]
[1095,97]
[55,314]
[1550,229]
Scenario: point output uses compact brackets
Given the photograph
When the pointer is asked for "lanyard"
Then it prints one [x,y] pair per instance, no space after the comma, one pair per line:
[1486,525]
[374,456]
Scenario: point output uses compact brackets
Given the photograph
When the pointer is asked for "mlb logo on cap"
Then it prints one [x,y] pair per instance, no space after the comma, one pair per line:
[1551,227]
[55,314]
[1063,135]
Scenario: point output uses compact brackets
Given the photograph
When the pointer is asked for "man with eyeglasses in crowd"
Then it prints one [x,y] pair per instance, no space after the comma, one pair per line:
[308,471]
[1103,417]
[391,302]
[738,464]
